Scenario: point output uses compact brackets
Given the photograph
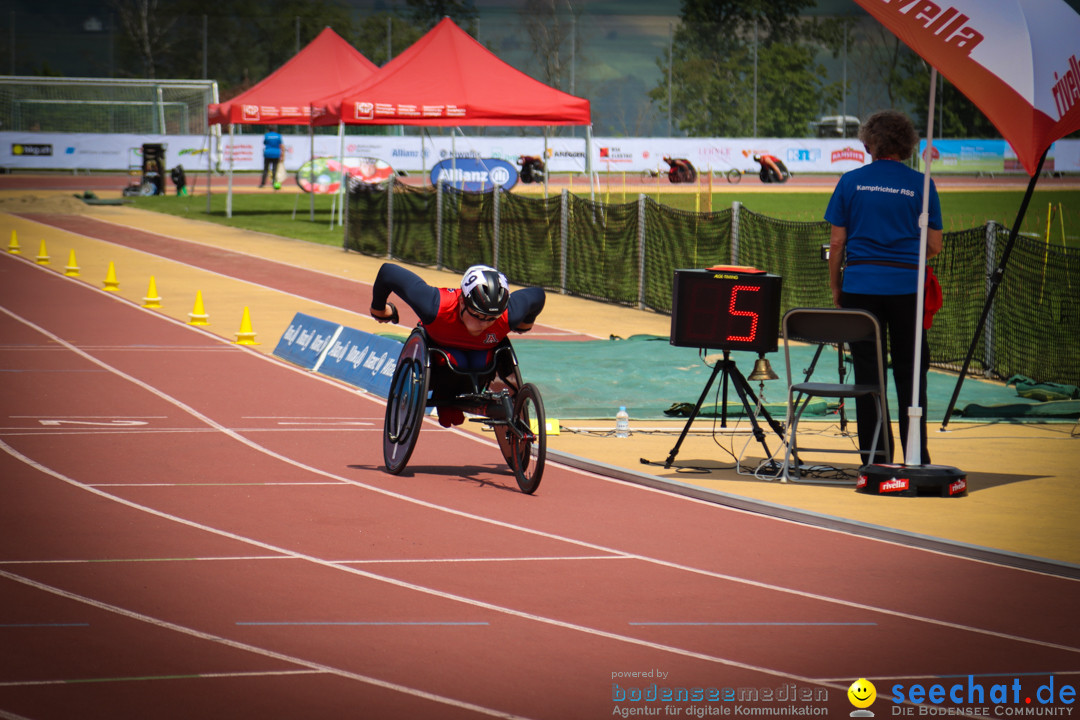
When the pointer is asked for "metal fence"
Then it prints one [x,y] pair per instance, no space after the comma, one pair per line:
[628,253]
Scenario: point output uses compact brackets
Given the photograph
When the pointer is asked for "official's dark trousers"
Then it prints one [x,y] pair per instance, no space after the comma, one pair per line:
[269,167]
[896,315]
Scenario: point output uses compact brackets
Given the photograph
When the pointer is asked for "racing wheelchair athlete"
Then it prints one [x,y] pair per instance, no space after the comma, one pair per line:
[461,354]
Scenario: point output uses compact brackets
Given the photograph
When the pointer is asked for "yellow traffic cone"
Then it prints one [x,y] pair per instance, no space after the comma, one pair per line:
[13,246]
[72,269]
[111,283]
[152,299]
[246,336]
[198,314]
[43,255]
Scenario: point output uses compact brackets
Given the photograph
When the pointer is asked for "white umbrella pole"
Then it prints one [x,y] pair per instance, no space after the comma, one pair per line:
[914,434]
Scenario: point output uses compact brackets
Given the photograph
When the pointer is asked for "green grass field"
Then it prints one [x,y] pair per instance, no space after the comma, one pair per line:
[273,213]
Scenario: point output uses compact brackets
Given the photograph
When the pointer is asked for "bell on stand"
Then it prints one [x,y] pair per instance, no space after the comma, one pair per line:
[762,371]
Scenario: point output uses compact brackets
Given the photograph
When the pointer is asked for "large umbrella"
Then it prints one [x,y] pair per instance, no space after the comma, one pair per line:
[1019,62]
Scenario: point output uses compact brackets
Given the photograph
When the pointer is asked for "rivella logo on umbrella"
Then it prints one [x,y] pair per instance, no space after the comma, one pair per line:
[1066,89]
[1016,60]
[946,23]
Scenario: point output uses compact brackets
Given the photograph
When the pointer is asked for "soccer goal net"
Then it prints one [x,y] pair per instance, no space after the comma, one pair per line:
[97,105]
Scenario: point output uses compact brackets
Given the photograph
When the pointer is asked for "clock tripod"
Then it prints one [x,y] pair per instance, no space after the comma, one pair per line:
[729,373]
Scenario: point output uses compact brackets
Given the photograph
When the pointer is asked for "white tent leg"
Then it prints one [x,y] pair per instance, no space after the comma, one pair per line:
[343,189]
[228,197]
[588,160]
[311,138]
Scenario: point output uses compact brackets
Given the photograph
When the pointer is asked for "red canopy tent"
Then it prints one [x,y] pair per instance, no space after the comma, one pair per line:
[446,78]
[327,65]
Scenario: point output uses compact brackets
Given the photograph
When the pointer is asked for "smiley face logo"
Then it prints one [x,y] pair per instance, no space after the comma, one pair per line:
[862,693]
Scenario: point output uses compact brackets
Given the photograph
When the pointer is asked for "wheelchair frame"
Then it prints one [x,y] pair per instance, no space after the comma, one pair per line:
[511,411]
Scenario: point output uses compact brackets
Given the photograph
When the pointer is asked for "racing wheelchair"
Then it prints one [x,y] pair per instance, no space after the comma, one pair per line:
[512,409]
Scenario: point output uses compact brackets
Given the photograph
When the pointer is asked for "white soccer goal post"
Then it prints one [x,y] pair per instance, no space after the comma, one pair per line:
[105,105]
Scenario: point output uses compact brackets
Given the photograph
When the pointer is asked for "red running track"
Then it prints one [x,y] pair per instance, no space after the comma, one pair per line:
[191,529]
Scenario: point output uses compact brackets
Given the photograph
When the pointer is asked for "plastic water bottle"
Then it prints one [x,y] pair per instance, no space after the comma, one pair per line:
[622,423]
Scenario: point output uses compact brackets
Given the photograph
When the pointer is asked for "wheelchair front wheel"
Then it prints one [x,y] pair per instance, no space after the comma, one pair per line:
[525,448]
[405,404]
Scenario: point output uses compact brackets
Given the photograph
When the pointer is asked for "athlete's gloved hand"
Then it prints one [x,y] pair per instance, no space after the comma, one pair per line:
[392,317]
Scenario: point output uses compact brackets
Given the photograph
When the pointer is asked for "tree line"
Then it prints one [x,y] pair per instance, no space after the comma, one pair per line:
[733,68]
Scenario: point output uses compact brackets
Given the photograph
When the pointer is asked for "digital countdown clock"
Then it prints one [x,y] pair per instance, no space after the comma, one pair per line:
[726,309]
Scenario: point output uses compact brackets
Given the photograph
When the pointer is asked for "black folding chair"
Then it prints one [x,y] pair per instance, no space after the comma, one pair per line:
[831,326]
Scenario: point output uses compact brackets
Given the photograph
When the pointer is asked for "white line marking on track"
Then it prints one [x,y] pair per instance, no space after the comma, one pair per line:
[497,523]
[165,624]
[361,623]
[133,430]
[425,561]
[100,423]
[110,561]
[89,417]
[214,484]
[198,676]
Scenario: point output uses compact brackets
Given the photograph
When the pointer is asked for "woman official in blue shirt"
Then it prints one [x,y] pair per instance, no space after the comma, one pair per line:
[874,261]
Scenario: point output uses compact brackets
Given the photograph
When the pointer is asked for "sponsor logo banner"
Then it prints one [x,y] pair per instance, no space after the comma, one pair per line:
[362,359]
[37,150]
[306,340]
[475,175]
[94,151]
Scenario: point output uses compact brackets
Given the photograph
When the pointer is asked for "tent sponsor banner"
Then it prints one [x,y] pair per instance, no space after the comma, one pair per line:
[415,153]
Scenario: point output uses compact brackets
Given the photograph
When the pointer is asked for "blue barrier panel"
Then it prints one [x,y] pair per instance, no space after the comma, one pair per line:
[306,340]
[362,359]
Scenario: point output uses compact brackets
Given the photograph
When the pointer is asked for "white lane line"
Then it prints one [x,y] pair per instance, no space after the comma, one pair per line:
[659,647]
[435,561]
[110,561]
[165,624]
[133,430]
[141,678]
[249,558]
[497,523]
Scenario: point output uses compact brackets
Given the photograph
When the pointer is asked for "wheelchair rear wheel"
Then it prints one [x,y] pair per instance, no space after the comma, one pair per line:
[525,448]
[406,403]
